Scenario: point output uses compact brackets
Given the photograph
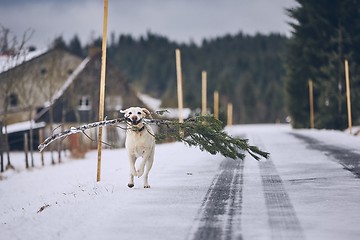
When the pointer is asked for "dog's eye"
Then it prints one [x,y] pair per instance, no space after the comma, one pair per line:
[130,113]
[139,113]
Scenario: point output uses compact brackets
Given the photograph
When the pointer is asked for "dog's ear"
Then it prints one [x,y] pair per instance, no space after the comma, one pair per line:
[123,111]
[147,112]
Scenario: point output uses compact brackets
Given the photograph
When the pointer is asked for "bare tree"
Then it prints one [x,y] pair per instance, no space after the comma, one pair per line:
[26,92]
[53,75]
[15,53]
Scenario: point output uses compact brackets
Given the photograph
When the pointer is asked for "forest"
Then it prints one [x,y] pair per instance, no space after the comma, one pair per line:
[266,77]
[246,70]
[325,33]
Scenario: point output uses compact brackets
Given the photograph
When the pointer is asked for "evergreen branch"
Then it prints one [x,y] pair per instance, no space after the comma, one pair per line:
[207,133]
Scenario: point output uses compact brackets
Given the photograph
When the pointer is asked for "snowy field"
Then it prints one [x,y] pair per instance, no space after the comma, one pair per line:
[64,201]
[75,206]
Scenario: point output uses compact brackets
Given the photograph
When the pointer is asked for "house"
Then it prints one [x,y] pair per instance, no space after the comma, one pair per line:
[27,82]
[59,88]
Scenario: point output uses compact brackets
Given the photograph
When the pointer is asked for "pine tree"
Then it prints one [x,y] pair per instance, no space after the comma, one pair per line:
[75,46]
[324,34]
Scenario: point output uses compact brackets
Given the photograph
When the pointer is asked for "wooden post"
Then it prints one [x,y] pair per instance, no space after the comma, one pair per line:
[1,147]
[179,85]
[102,87]
[348,100]
[26,148]
[216,105]
[229,114]
[203,93]
[41,139]
[311,100]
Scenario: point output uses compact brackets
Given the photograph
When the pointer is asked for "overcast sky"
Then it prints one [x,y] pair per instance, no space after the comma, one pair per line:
[181,20]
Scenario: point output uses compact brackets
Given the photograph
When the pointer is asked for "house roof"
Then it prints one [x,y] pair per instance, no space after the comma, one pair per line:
[61,91]
[23,126]
[81,73]
[8,62]
[68,82]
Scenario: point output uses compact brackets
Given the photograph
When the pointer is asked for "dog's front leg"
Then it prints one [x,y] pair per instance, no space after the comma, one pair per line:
[132,160]
[131,181]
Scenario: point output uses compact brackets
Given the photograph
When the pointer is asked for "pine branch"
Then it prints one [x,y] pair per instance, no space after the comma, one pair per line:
[207,133]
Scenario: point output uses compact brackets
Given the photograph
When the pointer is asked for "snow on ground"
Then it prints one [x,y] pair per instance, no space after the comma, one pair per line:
[75,206]
[65,201]
[325,195]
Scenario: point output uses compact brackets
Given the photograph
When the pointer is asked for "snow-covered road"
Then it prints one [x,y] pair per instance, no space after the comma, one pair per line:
[305,191]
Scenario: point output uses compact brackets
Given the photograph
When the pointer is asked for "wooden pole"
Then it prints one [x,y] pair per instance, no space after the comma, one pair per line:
[41,139]
[102,87]
[179,84]
[26,149]
[1,147]
[348,94]
[229,114]
[311,100]
[216,105]
[203,93]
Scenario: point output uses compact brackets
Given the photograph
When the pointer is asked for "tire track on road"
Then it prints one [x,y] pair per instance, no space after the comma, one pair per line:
[219,215]
[346,157]
[283,221]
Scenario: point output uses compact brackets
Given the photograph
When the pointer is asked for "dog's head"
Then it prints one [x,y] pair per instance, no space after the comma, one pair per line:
[135,115]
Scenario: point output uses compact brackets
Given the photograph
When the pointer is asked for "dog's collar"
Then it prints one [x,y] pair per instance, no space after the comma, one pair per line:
[135,129]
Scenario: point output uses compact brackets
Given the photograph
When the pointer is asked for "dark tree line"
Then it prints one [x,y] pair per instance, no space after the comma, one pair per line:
[246,70]
[325,33]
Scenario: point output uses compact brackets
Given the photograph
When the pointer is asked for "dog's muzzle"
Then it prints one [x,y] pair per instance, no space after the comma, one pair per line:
[133,121]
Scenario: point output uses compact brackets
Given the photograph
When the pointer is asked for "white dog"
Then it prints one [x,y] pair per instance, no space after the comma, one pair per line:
[140,142]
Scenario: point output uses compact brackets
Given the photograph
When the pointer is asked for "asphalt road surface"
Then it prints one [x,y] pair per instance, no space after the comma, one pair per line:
[308,189]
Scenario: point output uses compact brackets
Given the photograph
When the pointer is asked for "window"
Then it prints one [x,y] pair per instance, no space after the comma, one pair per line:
[43,71]
[84,103]
[13,100]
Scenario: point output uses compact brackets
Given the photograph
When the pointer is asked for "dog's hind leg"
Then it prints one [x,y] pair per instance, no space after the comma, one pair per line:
[144,160]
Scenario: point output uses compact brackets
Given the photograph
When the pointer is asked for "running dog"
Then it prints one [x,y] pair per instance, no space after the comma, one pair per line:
[140,142]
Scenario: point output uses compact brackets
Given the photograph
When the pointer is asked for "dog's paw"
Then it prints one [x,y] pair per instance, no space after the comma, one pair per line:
[130,185]
[146,186]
